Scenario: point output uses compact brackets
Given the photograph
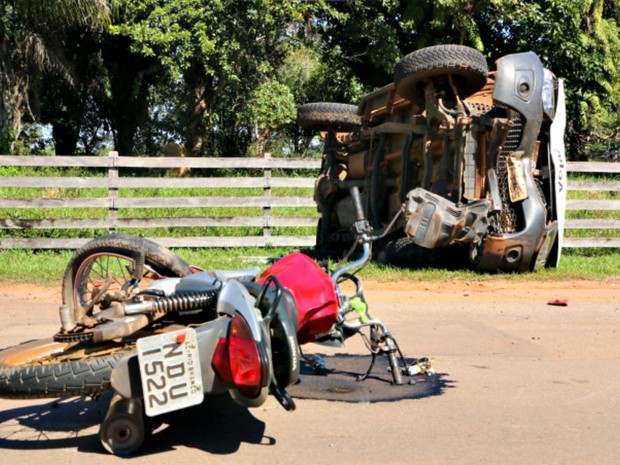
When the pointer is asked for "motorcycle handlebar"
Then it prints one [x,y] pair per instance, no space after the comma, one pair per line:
[362,226]
[357,203]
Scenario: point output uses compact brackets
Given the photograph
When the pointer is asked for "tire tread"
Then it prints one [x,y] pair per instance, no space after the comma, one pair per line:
[328,115]
[67,378]
[467,63]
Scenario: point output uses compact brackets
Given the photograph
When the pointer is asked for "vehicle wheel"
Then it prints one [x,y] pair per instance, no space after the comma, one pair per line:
[44,368]
[324,116]
[405,253]
[113,257]
[467,66]
[331,243]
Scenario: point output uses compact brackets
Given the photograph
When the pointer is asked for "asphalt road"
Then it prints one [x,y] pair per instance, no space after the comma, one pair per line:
[523,382]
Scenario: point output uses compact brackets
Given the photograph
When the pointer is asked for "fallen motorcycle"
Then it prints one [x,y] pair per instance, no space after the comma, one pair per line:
[164,334]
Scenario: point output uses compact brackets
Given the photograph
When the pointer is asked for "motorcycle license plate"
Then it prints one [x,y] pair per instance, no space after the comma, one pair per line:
[170,371]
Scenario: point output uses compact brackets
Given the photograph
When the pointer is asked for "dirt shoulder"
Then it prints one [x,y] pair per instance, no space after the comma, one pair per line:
[425,290]
[495,290]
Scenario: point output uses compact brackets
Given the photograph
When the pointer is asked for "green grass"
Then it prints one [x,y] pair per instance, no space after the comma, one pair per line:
[47,267]
[593,214]
[30,266]
[173,212]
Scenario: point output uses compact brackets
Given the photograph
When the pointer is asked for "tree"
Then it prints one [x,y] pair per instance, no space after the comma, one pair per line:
[132,78]
[221,55]
[580,42]
[31,45]
[73,107]
[361,42]
[223,76]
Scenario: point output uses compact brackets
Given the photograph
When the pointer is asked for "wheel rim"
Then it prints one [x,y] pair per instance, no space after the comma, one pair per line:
[98,268]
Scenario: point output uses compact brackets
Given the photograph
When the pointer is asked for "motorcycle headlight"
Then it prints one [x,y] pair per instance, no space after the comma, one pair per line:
[548,94]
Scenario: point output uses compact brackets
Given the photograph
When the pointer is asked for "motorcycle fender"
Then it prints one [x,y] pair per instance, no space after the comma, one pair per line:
[558,158]
[250,402]
[234,298]
[125,378]
[283,333]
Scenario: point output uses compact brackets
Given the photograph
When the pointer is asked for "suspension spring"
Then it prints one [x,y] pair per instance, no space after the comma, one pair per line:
[182,302]
[186,301]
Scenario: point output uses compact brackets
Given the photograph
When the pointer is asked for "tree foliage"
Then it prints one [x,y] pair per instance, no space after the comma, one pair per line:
[223,77]
[223,56]
[32,45]
[580,41]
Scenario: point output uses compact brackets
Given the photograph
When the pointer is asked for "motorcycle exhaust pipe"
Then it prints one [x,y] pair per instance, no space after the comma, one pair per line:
[67,318]
[141,314]
[122,431]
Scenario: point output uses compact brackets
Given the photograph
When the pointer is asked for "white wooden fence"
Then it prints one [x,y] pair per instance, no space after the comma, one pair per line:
[265,181]
[612,170]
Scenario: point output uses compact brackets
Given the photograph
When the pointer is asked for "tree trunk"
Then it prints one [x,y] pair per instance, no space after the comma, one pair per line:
[198,88]
[579,143]
[131,76]
[11,103]
[65,139]
[6,136]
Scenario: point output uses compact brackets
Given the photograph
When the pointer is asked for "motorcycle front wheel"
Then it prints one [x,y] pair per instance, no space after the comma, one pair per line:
[110,261]
[45,368]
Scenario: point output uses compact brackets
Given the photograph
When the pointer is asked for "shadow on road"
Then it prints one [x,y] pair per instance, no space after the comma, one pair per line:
[214,426]
[218,425]
[337,380]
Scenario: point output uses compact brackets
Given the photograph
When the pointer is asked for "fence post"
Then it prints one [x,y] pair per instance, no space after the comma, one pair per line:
[267,195]
[112,192]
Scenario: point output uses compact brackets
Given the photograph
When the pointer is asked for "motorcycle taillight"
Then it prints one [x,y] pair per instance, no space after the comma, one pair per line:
[237,358]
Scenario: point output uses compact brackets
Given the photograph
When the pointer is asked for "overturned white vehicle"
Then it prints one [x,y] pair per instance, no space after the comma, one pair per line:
[473,159]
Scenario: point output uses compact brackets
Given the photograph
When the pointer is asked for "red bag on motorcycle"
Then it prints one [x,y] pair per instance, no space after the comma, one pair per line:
[313,290]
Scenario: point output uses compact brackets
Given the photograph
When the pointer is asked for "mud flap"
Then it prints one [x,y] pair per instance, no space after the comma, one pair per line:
[550,241]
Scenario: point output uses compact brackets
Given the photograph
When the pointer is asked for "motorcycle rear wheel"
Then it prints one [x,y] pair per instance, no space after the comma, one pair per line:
[113,257]
[45,368]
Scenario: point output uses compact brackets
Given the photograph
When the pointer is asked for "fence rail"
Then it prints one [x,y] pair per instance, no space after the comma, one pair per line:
[268,203]
[259,178]
[611,170]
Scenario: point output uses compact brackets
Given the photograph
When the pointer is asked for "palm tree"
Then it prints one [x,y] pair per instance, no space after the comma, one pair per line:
[31,44]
